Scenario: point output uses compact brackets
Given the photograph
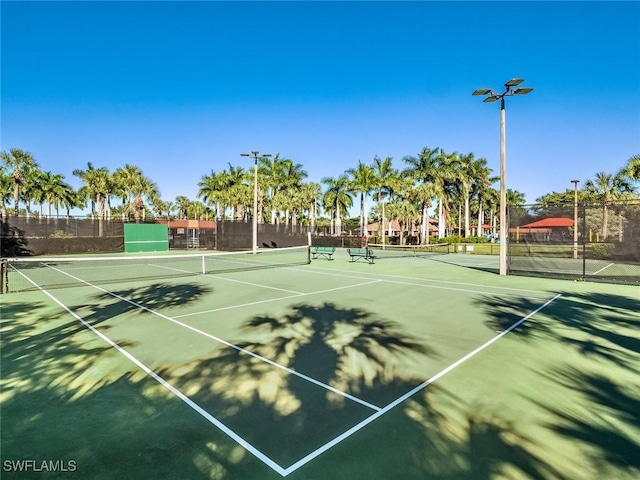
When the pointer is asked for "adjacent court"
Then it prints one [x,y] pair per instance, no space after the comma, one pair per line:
[241,366]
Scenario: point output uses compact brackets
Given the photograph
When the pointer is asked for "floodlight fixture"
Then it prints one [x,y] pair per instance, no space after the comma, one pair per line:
[513,82]
[493,97]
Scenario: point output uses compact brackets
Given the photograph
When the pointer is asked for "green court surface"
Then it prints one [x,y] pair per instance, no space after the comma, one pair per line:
[408,368]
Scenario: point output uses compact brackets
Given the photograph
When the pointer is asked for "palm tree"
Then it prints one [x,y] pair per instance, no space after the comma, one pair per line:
[84,193]
[605,188]
[423,194]
[472,172]
[403,206]
[238,190]
[309,195]
[433,166]
[68,198]
[385,176]
[515,198]
[51,186]
[182,206]
[22,163]
[337,199]
[487,199]
[98,184]
[632,169]
[284,178]
[271,171]
[198,211]
[6,184]
[125,178]
[213,189]
[362,182]
[161,208]
[132,185]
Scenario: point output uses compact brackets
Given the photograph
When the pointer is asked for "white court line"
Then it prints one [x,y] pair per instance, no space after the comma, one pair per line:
[224,342]
[231,307]
[329,272]
[327,446]
[250,448]
[218,277]
[412,392]
[597,272]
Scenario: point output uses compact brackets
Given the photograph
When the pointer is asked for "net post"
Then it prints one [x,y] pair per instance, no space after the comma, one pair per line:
[204,270]
[4,276]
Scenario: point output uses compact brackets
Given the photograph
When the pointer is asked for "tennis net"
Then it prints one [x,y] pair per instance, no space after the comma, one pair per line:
[31,273]
[396,251]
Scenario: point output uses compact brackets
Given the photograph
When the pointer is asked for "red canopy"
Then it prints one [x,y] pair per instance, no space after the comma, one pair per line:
[550,222]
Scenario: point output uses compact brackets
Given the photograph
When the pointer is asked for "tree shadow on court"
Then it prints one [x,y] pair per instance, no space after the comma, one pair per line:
[352,350]
[75,398]
[156,296]
[597,358]
[606,419]
[42,341]
[68,396]
[597,325]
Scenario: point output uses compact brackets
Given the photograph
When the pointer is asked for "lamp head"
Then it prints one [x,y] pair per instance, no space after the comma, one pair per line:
[513,82]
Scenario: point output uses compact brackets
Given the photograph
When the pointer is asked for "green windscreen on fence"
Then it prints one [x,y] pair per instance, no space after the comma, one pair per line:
[140,237]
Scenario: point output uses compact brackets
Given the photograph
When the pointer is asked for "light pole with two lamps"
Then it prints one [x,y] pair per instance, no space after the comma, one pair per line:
[255,155]
[492,97]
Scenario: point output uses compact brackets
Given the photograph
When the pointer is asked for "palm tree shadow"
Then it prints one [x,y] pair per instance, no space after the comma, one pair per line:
[597,325]
[349,349]
[603,413]
[604,419]
[123,423]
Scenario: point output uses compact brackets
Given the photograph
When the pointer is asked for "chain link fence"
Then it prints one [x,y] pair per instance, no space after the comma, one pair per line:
[590,242]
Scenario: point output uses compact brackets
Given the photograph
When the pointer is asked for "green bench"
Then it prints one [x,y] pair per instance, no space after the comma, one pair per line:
[361,253]
[326,252]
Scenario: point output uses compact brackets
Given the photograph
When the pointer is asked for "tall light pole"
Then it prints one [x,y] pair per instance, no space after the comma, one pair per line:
[575,218]
[492,97]
[255,155]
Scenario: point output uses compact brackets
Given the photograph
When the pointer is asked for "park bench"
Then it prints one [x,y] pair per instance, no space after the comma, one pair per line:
[358,253]
[326,252]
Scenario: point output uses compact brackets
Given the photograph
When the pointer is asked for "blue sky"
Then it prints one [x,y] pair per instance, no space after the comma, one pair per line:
[182,88]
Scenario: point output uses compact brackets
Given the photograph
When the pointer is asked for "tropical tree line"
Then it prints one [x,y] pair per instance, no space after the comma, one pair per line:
[458,190]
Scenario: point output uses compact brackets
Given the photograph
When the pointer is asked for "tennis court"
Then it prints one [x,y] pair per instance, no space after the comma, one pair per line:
[266,366]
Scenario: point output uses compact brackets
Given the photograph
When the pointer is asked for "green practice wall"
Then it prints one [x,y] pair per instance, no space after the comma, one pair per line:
[145,238]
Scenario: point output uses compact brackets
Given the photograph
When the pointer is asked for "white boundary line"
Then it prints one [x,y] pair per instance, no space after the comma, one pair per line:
[598,271]
[250,448]
[224,342]
[412,392]
[218,277]
[324,271]
[231,307]
[258,454]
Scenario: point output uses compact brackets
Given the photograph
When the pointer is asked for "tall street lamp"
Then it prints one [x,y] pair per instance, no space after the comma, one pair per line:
[575,218]
[255,155]
[492,97]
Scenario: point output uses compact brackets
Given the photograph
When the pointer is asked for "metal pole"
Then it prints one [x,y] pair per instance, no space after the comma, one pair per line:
[503,192]
[492,97]
[255,205]
[575,218]
[255,155]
